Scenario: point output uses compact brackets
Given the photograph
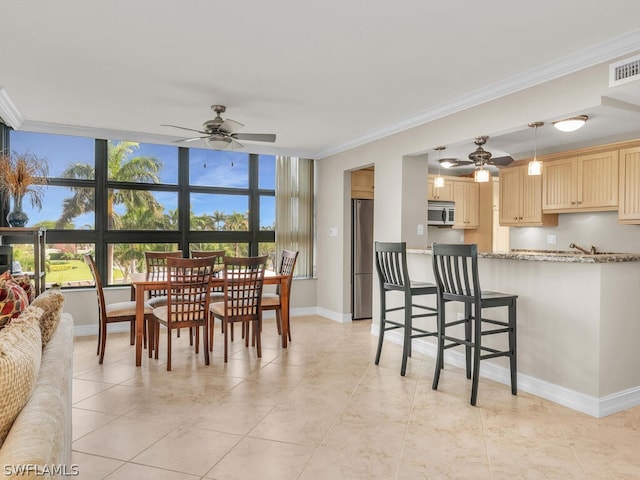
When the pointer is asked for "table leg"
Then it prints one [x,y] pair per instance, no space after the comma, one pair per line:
[139,324]
[284,314]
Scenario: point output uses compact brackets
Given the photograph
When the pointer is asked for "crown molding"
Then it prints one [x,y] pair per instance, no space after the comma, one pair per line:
[624,44]
[8,110]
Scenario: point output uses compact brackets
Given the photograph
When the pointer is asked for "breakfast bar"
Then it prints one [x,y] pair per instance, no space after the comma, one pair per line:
[578,327]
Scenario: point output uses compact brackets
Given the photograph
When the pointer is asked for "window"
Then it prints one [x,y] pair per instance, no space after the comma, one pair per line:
[117,199]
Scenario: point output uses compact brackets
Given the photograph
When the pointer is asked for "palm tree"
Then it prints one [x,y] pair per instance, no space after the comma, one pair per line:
[237,222]
[218,217]
[123,167]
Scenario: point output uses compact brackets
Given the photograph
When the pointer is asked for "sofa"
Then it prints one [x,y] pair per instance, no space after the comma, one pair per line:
[38,442]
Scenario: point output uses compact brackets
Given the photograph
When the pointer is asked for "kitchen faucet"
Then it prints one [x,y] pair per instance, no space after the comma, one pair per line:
[591,251]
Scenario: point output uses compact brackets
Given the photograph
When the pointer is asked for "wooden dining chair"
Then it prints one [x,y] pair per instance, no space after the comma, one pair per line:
[115,312]
[156,263]
[273,301]
[189,280]
[243,281]
[216,293]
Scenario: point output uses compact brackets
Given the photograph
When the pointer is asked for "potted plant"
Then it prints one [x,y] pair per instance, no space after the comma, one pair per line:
[23,174]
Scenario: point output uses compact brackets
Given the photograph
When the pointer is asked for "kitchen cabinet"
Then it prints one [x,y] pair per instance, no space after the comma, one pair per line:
[362,183]
[466,195]
[629,184]
[442,194]
[521,199]
[581,183]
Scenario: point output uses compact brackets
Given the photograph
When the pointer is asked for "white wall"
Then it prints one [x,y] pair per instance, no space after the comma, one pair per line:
[556,97]
[600,229]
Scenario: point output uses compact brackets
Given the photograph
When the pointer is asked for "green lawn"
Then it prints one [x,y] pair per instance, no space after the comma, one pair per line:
[79,272]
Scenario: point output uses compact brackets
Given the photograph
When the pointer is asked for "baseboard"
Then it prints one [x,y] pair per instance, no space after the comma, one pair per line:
[335,316]
[588,404]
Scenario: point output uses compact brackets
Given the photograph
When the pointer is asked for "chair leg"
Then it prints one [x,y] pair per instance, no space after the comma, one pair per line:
[440,350]
[103,341]
[467,337]
[168,348]
[226,341]
[210,328]
[205,340]
[132,332]
[197,334]
[156,342]
[512,348]
[278,322]
[383,313]
[99,337]
[408,328]
[256,329]
[477,320]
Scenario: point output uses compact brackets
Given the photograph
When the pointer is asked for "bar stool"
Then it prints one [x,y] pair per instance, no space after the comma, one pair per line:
[391,264]
[455,268]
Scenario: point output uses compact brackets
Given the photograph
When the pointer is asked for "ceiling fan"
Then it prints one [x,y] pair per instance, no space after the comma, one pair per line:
[221,133]
[478,158]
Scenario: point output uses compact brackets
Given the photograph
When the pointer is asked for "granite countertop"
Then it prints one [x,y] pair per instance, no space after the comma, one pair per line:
[566,256]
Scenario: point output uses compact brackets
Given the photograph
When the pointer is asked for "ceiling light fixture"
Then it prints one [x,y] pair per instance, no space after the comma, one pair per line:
[480,175]
[218,142]
[571,124]
[438,182]
[447,162]
[535,166]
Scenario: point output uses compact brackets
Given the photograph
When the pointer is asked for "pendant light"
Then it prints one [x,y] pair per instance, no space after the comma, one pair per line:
[438,182]
[535,166]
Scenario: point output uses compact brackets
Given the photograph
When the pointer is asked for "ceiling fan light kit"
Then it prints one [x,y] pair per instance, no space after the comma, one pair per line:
[570,124]
[480,175]
[535,166]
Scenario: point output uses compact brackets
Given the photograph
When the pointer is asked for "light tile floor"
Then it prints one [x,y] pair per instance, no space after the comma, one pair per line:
[322,410]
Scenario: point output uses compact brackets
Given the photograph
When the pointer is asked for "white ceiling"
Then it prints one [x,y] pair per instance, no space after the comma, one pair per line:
[322,76]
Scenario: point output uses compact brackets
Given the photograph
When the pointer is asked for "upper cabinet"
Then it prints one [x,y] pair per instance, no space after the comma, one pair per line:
[521,199]
[362,183]
[442,194]
[466,194]
[581,183]
[629,198]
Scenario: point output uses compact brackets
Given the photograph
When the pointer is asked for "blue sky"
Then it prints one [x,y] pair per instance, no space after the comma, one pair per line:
[207,168]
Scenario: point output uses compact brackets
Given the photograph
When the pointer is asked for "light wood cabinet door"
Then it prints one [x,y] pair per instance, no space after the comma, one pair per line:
[467,198]
[629,184]
[362,184]
[442,194]
[521,199]
[510,195]
[597,182]
[584,183]
[559,184]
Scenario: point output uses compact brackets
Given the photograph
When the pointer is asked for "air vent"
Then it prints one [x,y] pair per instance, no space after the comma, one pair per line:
[624,71]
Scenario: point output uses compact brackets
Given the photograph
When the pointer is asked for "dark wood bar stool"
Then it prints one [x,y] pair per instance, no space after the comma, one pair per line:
[393,275]
[455,268]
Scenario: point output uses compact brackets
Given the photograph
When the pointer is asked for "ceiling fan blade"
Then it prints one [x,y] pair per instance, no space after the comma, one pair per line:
[501,161]
[184,128]
[192,139]
[235,144]
[230,126]
[255,137]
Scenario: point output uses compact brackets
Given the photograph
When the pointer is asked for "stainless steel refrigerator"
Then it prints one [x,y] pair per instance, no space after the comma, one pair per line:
[361,258]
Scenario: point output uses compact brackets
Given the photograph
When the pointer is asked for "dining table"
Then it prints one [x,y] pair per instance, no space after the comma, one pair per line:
[141,284]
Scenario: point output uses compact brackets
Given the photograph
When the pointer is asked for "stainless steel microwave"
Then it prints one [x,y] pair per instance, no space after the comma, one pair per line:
[441,213]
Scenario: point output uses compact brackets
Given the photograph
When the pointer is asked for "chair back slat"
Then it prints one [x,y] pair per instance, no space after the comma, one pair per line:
[189,280]
[156,263]
[218,256]
[243,282]
[102,306]
[287,265]
[391,264]
[455,268]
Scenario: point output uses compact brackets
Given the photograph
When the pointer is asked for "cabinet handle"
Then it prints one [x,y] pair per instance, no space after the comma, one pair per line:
[580,202]
[515,218]
[573,203]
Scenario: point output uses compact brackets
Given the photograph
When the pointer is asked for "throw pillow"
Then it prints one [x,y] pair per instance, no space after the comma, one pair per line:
[27,285]
[13,300]
[51,302]
[20,357]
